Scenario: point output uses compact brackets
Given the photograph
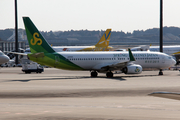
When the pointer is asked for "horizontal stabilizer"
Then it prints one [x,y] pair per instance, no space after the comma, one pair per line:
[41,54]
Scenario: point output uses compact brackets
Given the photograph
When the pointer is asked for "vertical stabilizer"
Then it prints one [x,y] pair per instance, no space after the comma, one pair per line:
[104,41]
[37,43]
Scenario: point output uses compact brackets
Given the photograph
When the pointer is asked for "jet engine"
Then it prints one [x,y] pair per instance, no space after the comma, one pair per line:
[132,69]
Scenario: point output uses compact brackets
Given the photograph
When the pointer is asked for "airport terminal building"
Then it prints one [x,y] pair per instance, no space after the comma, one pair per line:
[10,45]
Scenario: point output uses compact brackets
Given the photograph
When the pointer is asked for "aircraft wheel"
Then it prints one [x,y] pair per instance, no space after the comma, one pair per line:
[109,74]
[94,74]
[27,72]
[160,72]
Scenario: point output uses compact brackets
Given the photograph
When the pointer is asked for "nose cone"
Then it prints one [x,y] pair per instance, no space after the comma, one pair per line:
[173,62]
[4,59]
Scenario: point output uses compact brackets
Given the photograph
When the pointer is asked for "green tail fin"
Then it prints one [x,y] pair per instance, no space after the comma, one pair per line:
[131,55]
[37,43]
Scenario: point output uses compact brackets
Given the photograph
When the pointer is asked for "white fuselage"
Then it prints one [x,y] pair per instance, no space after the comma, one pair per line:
[166,49]
[97,60]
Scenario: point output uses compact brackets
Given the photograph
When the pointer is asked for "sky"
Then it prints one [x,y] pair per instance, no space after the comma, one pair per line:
[64,15]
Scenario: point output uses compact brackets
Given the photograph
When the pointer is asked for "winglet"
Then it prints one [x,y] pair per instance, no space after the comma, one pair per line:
[131,55]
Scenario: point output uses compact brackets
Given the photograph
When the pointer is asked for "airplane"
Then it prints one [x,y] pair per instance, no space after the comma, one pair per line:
[102,62]
[173,50]
[102,45]
[3,58]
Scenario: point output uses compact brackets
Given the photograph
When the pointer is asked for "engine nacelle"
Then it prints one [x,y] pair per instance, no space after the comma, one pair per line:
[132,69]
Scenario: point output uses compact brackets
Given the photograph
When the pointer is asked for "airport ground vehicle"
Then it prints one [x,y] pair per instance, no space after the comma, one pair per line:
[29,66]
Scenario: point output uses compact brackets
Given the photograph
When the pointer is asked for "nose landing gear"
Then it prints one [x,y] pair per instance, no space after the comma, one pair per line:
[160,72]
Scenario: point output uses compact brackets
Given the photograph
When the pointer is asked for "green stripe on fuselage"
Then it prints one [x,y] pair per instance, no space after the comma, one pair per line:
[55,60]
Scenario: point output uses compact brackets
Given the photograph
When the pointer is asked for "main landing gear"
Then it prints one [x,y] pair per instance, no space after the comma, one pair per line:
[94,74]
[109,74]
[160,72]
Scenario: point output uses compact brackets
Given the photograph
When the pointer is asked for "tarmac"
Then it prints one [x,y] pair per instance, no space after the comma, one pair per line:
[73,95]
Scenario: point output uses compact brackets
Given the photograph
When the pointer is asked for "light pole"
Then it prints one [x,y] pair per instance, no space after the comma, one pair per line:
[16,31]
[161,32]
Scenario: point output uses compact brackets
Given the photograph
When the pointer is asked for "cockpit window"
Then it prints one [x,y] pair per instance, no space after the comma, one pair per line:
[170,57]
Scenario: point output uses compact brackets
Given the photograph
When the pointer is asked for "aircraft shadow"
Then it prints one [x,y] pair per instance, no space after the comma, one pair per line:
[56,78]
[119,78]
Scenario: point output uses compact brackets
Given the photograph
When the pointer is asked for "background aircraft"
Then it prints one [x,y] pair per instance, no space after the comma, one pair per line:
[170,50]
[43,53]
[102,45]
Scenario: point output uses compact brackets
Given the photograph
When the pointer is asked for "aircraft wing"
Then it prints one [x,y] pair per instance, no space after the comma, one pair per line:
[18,53]
[168,95]
[115,66]
[40,54]
[111,66]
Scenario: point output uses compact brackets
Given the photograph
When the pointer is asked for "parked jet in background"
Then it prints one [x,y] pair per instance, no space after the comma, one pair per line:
[3,58]
[173,50]
[170,50]
[102,45]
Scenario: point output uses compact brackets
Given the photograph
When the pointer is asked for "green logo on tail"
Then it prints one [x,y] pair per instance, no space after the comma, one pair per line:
[36,39]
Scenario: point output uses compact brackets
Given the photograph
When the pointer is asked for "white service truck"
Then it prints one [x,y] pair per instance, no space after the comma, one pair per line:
[30,66]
